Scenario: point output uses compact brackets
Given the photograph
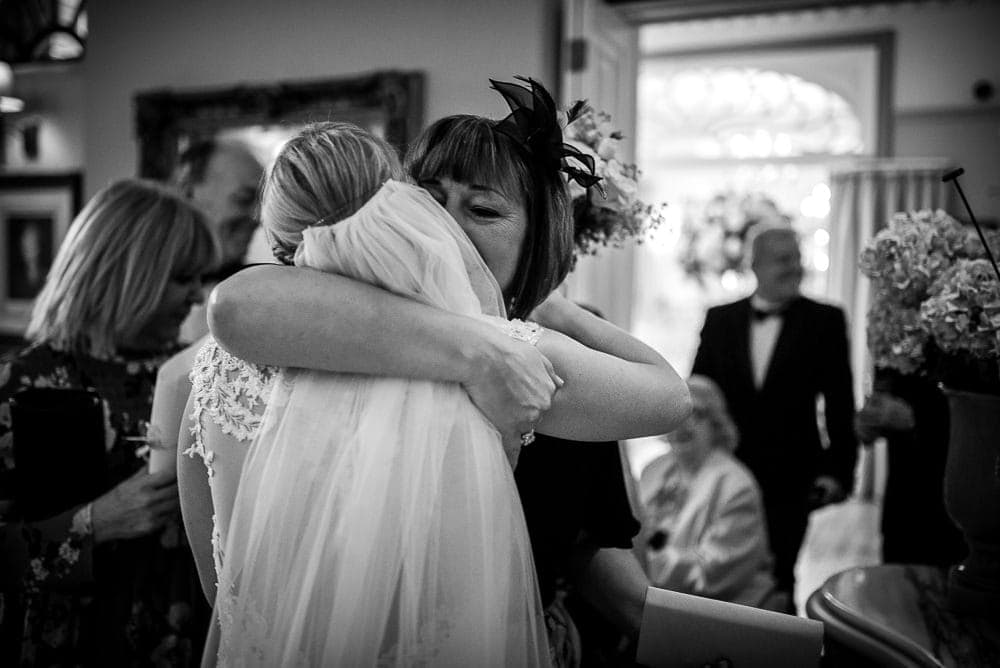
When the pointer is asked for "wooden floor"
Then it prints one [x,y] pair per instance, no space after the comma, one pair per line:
[839,537]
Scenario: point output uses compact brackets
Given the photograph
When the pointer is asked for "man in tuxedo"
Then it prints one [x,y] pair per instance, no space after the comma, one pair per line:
[774,354]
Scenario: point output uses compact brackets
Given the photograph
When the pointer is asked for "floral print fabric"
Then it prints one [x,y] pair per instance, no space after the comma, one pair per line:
[130,602]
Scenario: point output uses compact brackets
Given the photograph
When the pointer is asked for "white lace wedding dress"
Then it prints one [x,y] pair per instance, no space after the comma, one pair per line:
[376,521]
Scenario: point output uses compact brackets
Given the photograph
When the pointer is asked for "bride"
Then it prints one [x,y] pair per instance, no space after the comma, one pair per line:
[376,519]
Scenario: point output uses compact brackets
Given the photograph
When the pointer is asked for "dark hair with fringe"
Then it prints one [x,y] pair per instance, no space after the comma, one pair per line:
[468,149]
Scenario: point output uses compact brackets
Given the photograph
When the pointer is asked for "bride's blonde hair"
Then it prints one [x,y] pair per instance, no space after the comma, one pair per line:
[322,175]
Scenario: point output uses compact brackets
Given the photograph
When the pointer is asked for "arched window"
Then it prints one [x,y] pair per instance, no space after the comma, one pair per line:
[744,112]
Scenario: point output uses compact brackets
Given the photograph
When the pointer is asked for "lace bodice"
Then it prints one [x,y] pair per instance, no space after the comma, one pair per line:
[232,392]
[375,519]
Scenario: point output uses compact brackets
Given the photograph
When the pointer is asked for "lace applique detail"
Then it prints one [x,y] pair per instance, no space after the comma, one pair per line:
[217,550]
[233,393]
[522,330]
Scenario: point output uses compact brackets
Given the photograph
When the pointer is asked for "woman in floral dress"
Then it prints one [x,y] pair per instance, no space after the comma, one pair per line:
[110,582]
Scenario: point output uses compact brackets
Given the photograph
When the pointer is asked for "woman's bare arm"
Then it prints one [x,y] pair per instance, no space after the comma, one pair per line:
[196,508]
[305,318]
[616,386]
[286,316]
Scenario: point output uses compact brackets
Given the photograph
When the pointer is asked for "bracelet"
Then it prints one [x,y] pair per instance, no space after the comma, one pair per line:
[83,524]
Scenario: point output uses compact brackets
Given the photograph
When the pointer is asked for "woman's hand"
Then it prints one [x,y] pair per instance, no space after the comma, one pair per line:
[138,506]
[513,387]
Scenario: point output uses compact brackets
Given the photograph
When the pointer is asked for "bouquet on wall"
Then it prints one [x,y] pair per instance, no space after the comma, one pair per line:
[935,307]
[611,213]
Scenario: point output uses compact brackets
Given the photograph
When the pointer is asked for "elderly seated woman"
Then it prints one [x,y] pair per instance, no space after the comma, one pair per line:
[703,519]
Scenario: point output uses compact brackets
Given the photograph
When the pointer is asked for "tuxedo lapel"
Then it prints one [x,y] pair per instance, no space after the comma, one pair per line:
[739,328]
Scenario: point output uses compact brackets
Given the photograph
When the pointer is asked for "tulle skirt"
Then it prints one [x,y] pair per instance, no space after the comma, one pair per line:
[380,526]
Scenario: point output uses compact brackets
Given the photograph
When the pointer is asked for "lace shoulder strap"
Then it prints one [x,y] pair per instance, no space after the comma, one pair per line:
[232,392]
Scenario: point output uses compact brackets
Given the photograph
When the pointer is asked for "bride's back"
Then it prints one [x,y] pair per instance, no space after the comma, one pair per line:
[376,519]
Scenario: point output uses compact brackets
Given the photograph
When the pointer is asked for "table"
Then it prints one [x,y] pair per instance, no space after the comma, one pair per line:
[897,615]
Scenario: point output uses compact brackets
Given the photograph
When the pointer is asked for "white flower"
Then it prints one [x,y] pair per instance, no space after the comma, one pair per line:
[38,570]
[619,188]
[607,148]
[616,214]
[68,553]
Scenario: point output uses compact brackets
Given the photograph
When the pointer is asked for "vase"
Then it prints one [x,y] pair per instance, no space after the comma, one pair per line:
[972,499]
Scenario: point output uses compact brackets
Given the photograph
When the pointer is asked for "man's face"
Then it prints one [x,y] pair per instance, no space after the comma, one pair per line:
[778,267]
[227,195]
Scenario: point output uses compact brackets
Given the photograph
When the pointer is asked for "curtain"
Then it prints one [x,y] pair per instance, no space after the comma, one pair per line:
[864,196]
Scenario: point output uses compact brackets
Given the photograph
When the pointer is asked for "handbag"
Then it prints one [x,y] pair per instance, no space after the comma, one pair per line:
[59,450]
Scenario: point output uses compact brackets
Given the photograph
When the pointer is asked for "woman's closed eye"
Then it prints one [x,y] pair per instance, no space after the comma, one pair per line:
[484,212]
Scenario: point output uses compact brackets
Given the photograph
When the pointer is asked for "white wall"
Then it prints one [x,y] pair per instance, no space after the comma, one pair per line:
[138,46]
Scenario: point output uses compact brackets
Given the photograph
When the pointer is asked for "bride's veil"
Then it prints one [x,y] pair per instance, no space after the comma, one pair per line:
[377,521]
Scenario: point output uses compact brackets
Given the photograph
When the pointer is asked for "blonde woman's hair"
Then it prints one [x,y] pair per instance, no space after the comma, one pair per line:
[112,269]
[707,396]
[322,175]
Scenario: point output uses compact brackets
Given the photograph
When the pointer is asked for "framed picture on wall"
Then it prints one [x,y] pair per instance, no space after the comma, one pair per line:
[388,103]
[35,213]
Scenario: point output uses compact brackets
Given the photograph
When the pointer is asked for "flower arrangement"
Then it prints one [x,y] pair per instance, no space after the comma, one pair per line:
[714,244]
[611,213]
[936,302]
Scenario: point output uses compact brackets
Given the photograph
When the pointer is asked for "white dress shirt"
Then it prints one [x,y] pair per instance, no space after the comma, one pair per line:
[763,335]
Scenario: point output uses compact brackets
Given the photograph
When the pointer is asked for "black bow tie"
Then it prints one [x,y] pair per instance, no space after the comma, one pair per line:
[760,315]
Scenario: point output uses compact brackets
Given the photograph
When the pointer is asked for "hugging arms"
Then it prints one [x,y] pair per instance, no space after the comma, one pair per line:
[614,387]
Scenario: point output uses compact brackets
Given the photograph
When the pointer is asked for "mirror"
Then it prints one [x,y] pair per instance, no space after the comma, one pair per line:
[389,103]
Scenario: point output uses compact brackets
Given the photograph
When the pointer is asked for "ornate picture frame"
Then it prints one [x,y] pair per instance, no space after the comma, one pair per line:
[35,213]
[390,103]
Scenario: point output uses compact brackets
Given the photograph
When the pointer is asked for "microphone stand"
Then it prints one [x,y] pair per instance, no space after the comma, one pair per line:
[953,177]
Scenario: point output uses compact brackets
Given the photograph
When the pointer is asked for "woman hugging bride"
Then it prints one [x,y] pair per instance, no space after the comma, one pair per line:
[375,520]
